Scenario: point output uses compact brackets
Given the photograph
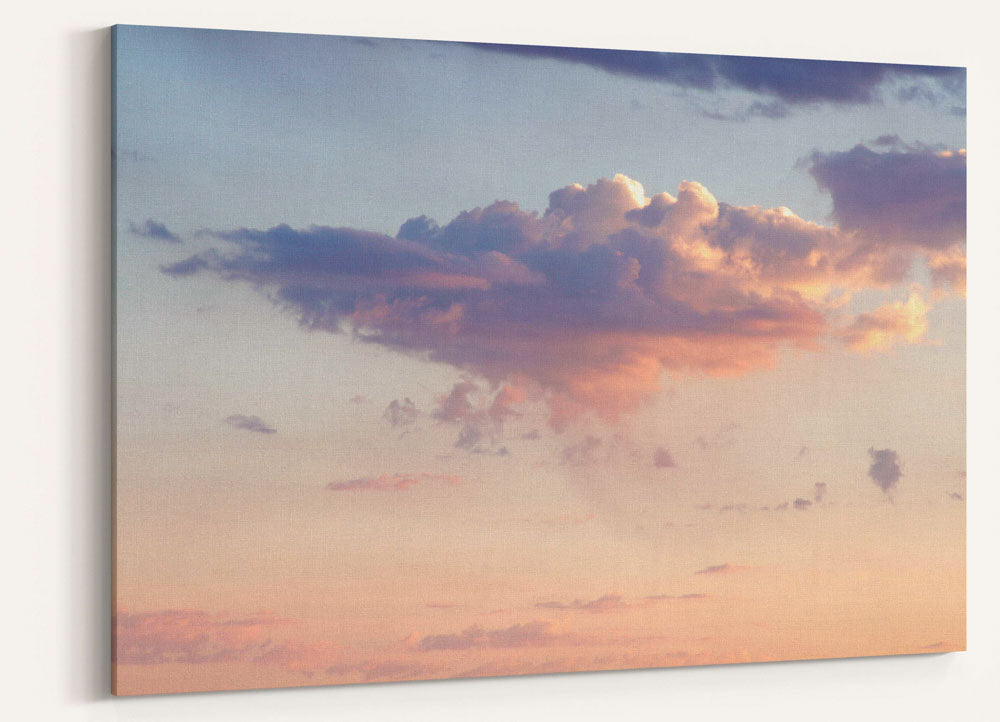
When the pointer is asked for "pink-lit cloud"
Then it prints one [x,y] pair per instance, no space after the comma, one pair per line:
[588,304]
[479,413]
[530,634]
[190,636]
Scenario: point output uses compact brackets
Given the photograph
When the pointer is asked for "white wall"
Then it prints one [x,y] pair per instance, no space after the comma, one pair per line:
[55,280]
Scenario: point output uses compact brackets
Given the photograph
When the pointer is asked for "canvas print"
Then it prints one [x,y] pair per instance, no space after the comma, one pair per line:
[443,359]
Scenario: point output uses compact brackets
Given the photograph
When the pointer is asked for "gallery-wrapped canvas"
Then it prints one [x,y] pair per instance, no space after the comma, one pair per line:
[444,359]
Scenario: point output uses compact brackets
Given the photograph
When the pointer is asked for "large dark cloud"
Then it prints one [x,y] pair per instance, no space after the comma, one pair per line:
[792,81]
[588,303]
[905,195]
[885,469]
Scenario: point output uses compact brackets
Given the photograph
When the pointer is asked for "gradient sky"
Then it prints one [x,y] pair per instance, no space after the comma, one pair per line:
[676,374]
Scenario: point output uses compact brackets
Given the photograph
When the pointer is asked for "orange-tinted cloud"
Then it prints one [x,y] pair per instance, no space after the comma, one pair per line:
[592,301]
[190,636]
[896,323]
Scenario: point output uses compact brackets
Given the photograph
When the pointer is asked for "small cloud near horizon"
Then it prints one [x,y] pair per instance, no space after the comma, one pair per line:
[722,569]
[250,423]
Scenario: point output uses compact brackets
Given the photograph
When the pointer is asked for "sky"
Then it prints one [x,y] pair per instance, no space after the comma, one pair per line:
[437,359]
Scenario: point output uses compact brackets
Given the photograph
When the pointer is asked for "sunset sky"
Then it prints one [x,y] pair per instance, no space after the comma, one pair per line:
[441,360]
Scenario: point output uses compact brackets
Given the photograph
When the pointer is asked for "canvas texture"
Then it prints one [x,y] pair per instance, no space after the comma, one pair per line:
[442,359]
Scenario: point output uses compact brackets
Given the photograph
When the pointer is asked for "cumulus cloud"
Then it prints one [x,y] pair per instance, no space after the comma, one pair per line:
[885,468]
[791,80]
[663,459]
[154,230]
[801,504]
[250,423]
[585,305]
[392,482]
[896,323]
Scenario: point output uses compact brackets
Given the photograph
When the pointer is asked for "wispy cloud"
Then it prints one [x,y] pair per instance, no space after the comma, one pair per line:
[722,569]
[616,603]
[190,636]
[154,230]
[401,413]
[530,634]
[392,482]
[250,423]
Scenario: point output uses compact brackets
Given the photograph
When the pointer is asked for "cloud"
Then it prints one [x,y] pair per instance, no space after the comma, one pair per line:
[663,459]
[774,110]
[605,603]
[615,603]
[250,423]
[155,230]
[480,415]
[722,569]
[801,504]
[955,496]
[791,80]
[885,469]
[584,306]
[392,482]
[896,323]
[693,595]
[819,491]
[401,413]
[530,634]
[190,636]
[904,197]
